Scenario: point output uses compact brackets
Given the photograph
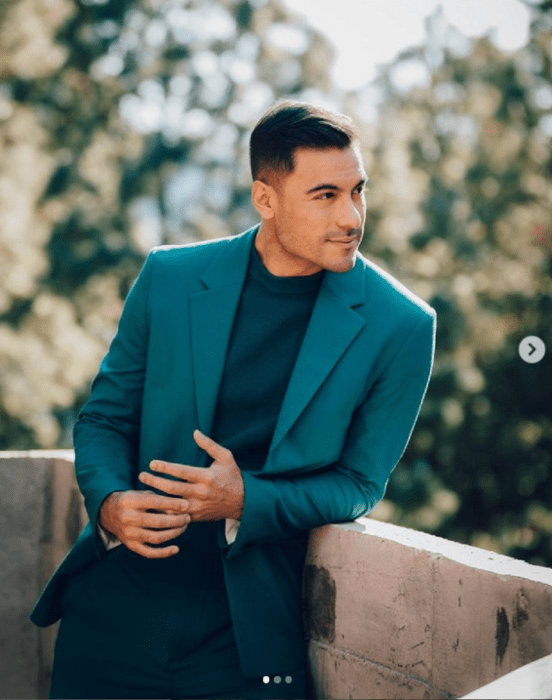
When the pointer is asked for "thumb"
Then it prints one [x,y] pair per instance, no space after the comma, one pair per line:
[213,449]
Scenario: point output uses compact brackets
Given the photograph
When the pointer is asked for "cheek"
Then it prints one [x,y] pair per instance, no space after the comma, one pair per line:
[316,218]
[305,226]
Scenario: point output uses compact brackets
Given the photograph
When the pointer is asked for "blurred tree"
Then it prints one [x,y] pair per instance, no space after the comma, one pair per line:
[461,212]
[122,126]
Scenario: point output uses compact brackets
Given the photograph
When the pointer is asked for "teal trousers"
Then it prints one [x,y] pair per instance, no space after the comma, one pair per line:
[156,628]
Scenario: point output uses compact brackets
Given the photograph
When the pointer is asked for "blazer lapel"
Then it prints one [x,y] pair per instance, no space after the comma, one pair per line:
[212,316]
[332,328]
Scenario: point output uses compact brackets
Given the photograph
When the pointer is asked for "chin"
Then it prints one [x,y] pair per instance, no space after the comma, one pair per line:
[343,265]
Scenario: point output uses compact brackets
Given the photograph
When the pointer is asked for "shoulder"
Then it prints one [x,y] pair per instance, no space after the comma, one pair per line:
[181,268]
[196,254]
[386,295]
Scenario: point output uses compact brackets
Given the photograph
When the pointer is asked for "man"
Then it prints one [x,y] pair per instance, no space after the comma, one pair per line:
[304,366]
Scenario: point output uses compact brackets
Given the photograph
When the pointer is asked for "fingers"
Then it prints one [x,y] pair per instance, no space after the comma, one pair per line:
[138,528]
[154,521]
[176,488]
[154,552]
[140,540]
[213,449]
[134,522]
[148,500]
[160,536]
[183,472]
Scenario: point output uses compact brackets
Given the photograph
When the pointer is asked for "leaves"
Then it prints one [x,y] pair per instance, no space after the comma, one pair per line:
[125,125]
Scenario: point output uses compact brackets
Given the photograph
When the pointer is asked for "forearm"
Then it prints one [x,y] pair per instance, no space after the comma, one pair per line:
[106,433]
[105,461]
[277,506]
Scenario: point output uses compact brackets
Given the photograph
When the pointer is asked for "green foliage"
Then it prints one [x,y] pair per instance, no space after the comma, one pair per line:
[124,125]
[475,240]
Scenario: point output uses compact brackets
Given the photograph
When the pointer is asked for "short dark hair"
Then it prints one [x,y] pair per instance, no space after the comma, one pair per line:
[290,125]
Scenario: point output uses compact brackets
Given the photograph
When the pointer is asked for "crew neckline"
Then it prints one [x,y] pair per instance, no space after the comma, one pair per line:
[299,284]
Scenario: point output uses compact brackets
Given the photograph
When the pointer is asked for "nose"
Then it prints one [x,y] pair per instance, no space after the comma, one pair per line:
[349,215]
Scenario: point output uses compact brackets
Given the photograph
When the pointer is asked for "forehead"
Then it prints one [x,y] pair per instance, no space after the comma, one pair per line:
[339,166]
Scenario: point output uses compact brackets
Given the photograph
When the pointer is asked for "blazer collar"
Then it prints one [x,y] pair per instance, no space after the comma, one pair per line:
[350,286]
[212,312]
[332,327]
[230,265]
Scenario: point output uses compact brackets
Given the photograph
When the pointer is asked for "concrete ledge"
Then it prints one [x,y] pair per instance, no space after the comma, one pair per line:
[390,612]
[41,514]
[396,613]
[352,676]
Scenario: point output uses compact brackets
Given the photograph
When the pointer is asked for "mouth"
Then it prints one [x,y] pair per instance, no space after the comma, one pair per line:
[346,241]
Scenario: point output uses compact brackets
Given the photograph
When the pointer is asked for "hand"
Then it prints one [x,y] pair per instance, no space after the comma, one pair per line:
[212,493]
[128,516]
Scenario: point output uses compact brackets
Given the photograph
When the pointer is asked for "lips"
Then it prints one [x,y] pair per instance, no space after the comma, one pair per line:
[348,240]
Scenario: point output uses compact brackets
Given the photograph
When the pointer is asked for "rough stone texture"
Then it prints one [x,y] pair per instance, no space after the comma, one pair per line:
[40,516]
[339,674]
[319,589]
[392,613]
[419,616]
[22,499]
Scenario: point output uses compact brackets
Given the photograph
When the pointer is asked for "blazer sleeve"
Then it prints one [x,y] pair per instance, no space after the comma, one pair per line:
[277,506]
[106,433]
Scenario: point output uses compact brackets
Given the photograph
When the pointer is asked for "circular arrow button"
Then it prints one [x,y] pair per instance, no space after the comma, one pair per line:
[532,349]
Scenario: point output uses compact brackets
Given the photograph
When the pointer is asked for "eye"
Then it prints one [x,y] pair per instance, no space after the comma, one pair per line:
[326,195]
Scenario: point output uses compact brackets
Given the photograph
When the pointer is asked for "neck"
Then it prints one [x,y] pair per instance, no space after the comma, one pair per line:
[278,261]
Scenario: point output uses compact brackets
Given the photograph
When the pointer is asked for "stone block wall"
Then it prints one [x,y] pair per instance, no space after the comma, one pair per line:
[41,514]
[394,613]
[390,613]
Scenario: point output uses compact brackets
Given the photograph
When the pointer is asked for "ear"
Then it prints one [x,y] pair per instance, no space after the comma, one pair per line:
[264,198]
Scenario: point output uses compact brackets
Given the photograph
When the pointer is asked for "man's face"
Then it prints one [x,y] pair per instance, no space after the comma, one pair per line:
[319,212]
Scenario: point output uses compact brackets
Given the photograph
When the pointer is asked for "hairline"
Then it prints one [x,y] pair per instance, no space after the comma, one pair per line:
[278,173]
[291,125]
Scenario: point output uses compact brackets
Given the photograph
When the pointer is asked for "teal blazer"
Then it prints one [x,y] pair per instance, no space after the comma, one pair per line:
[350,406]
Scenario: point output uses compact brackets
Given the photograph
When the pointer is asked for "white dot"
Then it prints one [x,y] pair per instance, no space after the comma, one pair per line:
[277,679]
[288,679]
[266,679]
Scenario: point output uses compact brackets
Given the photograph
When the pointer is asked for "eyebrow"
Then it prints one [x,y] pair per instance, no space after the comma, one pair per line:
[329,186]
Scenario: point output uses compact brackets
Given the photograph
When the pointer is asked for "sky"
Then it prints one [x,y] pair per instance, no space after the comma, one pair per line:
[366,33]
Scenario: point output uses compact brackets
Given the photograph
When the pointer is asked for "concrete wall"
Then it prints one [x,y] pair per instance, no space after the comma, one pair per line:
[394,613]
[41,514]
[391,613]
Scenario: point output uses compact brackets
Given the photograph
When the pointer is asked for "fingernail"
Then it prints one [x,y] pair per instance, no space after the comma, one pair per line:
[199,433]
